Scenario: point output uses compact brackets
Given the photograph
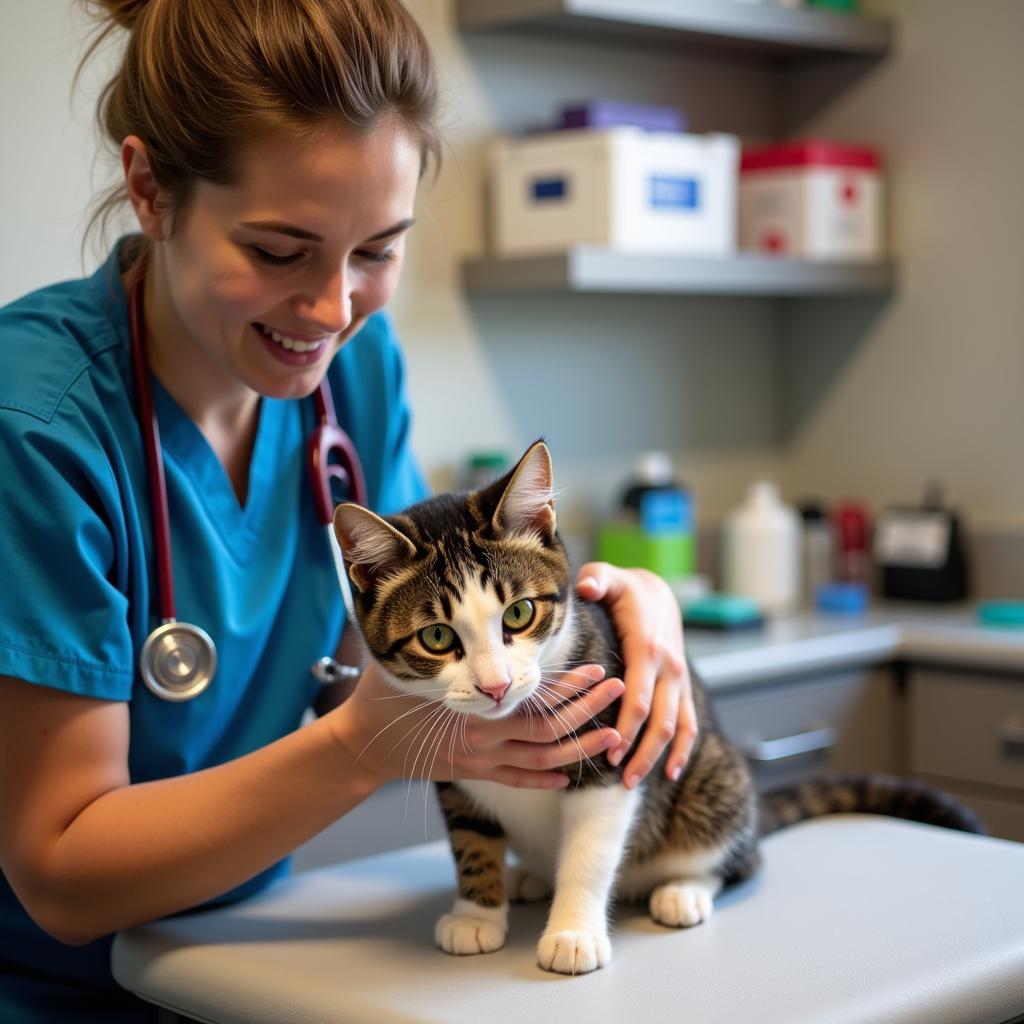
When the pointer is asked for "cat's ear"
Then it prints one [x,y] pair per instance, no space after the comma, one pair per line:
[372,546]
[527,501]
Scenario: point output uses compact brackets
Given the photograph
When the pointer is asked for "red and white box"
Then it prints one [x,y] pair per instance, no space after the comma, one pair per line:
[813,199]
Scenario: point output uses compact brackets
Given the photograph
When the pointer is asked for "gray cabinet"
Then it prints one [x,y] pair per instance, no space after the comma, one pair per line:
[966,733]
[843,721]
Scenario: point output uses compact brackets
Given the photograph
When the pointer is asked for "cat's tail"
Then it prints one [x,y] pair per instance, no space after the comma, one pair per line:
[865,794]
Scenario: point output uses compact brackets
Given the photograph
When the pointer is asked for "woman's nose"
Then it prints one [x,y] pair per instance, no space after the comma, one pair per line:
[329,306]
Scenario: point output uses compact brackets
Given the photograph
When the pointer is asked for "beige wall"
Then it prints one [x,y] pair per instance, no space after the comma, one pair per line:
[935,385]
[835,398]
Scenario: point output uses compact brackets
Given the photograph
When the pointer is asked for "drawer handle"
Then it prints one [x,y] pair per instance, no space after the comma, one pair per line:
[1012,736]
[791,746]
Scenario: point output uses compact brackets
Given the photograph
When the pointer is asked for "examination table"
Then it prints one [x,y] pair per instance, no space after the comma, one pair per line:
[852,920]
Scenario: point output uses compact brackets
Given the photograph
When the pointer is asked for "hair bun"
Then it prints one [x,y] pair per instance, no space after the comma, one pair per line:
[123,12]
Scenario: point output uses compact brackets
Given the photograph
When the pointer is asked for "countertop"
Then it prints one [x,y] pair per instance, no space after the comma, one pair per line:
[816,641]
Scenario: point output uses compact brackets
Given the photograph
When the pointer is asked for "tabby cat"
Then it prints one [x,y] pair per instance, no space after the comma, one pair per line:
[470,596]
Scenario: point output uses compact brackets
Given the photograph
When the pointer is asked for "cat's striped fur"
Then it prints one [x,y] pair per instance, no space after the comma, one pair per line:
[461,561]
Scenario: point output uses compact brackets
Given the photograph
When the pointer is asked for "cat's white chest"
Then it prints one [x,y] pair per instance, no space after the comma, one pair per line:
[531,819]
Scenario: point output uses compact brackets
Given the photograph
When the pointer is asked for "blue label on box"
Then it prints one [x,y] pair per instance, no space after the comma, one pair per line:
[674,193]
[545,189]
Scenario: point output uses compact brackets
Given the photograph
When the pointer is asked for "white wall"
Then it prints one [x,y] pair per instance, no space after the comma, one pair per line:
[49,172]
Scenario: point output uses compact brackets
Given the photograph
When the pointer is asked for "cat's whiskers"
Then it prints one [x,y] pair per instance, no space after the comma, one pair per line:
[409,774]
[395,721]
[542,686]
[430,768]
[418,693]
[423,729]
[572,734]
[463,727]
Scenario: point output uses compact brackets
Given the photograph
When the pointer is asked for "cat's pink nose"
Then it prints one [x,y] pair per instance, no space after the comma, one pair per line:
[494,690]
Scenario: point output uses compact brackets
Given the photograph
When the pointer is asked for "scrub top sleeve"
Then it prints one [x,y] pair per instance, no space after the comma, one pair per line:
[63,621]
[402,482]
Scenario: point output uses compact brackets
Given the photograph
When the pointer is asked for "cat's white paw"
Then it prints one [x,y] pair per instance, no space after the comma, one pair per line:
[470,929]
[523,887]
[573,952]
[681,904]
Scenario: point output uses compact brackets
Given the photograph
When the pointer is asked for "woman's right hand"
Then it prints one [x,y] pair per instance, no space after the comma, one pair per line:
[390,735]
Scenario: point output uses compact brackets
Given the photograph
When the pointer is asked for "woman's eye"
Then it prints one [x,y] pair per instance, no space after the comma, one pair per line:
[438,638]
[271,258]
[518,616]
[376,257]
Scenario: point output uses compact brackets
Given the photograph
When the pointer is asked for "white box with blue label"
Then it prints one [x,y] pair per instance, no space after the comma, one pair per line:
[624,188]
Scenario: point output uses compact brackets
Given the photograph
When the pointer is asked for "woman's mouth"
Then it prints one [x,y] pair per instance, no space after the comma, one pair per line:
[289,350]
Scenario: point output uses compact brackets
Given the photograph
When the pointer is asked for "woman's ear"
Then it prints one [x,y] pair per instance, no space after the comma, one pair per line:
[142,187]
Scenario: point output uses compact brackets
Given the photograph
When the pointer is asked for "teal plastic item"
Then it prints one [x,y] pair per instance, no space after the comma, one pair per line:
[1005,614]
[723,612]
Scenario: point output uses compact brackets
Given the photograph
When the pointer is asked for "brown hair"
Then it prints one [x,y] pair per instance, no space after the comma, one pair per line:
[201,79]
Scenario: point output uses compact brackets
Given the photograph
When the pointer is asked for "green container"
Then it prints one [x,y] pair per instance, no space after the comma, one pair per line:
[669,555]
[846,6]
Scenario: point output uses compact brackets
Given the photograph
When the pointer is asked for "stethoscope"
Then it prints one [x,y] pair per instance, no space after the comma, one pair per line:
[178,660]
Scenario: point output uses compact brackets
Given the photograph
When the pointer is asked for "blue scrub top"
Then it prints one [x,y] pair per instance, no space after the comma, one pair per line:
[79,593]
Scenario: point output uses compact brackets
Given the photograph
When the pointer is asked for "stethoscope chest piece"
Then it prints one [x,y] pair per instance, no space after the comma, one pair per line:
[178,661]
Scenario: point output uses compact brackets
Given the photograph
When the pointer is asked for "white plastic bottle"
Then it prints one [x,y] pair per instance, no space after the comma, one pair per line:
[761,550]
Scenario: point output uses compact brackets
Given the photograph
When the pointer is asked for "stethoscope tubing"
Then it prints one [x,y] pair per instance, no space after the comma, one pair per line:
[154,463]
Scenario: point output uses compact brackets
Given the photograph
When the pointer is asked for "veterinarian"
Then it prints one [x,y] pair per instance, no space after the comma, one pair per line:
[271,153]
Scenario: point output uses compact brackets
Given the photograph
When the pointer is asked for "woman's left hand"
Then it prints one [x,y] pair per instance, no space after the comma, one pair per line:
[658,691]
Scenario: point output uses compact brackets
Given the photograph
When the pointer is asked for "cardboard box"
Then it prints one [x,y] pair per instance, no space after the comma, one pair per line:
[623,188]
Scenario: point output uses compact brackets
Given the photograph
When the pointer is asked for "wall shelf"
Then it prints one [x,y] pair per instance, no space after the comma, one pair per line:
[589,269]
[764,29]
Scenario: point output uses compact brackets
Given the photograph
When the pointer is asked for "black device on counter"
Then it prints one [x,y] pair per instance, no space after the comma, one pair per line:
[920,551]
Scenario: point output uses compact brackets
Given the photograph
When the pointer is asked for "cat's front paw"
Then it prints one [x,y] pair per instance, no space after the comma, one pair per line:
[574,952]
[470,929]
[681,904]
[524,887]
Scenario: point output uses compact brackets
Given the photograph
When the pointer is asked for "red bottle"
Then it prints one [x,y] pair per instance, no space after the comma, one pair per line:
[850,519]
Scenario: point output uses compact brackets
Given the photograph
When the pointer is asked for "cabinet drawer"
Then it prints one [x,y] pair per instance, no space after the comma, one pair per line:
[967,726]
[841,722]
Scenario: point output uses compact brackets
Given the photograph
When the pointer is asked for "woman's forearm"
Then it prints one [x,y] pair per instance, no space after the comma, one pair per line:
[146,850]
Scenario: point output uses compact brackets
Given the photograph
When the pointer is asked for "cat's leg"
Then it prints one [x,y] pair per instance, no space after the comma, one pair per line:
[686,902]
[524,886]
[478,922]
[595,825]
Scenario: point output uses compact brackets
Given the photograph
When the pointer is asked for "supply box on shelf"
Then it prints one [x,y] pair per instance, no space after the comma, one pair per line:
[813,200]
[622,187]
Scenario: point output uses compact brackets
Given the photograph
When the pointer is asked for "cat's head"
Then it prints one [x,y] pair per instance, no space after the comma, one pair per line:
[463,597]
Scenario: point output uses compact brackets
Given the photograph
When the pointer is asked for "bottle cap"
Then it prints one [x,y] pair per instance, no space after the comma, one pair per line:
[653,468]
[488,460]
[763,492]
[812,510]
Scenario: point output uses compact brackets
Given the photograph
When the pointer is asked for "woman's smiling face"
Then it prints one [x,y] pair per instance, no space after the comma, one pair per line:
[268,278]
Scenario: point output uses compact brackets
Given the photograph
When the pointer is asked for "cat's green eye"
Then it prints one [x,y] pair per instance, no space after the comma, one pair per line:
[518,616]
[438,638]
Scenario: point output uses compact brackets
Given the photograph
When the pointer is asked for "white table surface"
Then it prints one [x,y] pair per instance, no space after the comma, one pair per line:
[853,920]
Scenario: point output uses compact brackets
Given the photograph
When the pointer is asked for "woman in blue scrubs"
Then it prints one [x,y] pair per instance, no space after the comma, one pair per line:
[271,153]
